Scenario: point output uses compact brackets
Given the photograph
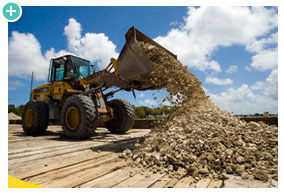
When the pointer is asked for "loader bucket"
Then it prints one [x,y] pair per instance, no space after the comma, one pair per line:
[132,62]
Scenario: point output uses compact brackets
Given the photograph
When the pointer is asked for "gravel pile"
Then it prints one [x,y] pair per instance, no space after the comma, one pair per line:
[199,139]
[13,116]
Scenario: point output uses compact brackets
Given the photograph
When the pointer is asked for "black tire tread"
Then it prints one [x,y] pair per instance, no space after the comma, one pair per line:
[41,118]
[127,111]
[89,121]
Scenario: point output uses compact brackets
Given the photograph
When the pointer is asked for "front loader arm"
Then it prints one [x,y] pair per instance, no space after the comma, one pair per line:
[108,79]
[132,68]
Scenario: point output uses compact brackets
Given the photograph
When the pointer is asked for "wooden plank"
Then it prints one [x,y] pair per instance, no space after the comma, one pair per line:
[42,141]
[83,176]
[45,165]
[20,151]
[235,183]
[133,181]
[22,145]
[65,171]
[111,179]
[23,138]
[29,141]
[19,135]
[40,151]
[215,184]
[62,151]
[30,165]
[59,162]
[172,183]
[147,181]
[185,182]
[55,140]
[49,159]
[29,146]
[203,183]
[162,182]
[257,184]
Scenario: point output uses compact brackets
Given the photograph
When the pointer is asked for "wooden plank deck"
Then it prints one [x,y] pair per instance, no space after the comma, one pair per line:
[54,161]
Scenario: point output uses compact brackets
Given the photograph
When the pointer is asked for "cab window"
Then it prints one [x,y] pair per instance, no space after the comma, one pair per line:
[59,73]
[82,66]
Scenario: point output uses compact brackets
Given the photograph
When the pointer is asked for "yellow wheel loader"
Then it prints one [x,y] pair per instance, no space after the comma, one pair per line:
[74,95]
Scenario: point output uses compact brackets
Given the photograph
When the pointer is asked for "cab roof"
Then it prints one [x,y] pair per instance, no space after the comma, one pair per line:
[68,55]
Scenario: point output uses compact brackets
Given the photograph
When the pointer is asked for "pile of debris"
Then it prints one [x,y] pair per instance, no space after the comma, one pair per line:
[199,139]
[13,116]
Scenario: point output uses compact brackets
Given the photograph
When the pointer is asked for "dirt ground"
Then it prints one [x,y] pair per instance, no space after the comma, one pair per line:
[54,161]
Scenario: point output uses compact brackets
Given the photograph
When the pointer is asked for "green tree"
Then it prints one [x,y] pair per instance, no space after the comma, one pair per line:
[15,110]
[140,112]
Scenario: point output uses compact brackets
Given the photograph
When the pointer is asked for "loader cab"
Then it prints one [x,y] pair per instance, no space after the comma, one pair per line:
[69,67]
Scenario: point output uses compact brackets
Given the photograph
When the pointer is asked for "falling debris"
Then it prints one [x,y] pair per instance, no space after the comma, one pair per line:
[198,138]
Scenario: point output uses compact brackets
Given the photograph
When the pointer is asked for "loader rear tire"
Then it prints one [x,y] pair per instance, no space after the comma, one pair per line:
[79,117]
[123,116]
[35,118]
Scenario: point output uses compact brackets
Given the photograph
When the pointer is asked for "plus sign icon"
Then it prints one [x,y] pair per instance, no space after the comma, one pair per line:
[12,12]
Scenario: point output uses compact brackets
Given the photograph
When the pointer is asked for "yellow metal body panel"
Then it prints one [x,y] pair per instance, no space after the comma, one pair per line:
[55,90]
[114,64]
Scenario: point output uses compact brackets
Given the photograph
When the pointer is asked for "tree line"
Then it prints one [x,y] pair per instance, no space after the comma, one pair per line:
[158,112]
[15,110]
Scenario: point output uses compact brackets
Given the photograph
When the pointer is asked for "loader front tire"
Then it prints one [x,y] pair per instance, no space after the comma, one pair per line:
[123,116]
[79,117]
[35,118]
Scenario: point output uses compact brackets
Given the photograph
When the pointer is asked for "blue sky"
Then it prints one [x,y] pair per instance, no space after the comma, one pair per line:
[204,43]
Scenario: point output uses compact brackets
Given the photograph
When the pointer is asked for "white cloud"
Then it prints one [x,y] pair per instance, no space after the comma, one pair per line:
[218,81]
[207,28]
[258,45]
[73,33]
[239,25]
[214,65]
[265,57]
[232,69]
[15,84]
[248,68]
[260,97]
[149,102]
[269,87]
[174,23]
[93,46]
[141,95]
[265,60]
[189,52]
[235,100]
[26,56]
